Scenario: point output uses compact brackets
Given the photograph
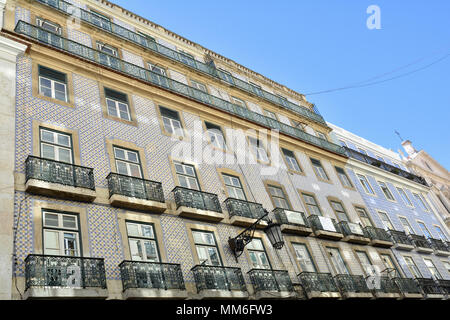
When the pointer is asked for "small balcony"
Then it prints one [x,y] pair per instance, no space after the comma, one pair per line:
[445,286]
[378,237]
[59,179]
[430,288]
[385,287]
[53,277]
[197,204]
[244,213]
[135,193]
[318,285]
[353,286]
[152,280]
[401,240]
[409,288]
[217,282]
[440,248]
[293,222]
[324,227]
[421,243]
[274,284]
[353,232]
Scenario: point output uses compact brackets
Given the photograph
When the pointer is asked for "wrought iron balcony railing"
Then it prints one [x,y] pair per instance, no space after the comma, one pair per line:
[270,280]
[317,281]
[191,198]
[351,283]
[132,70]
[155,47]
[407,285]
[400,237]
[383,165]
[438,244]
[445,285]
[64,272]
[151,275]
[295,218]
[59,172]
[135,187]
[242,208]
[429,286]
[218,278]
[377,233]
[419,241]
[351,229]
[386,285]
[323,223]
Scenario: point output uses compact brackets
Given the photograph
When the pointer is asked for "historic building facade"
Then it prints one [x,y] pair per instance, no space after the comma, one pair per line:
[127,178]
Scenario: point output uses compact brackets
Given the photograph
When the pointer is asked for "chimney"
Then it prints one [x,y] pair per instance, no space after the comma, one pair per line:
[407,145]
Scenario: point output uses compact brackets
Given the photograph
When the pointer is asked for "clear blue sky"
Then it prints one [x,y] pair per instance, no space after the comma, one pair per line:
[311,46]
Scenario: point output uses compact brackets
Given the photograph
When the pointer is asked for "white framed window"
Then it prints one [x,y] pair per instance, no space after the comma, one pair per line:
[61,234]
[278,197]
[311,204]
[389,263]
[127,162]
[337,260]
[117,104]
[424,230]
[365,184]
[157,69]
[412,267]
[304,257]
[339,210]
[109,55]
[142,241]
[343,177]
[406,226]
[206,247]
[234,187]
[56,145]
[257,254]
[365,261]
[171,121]
[215,135]
[318,169]
[365,219]
[385,220]
[387,193]
[239,102]
[258,149]
[291,160]
[440,233]
[52,83]
[432,268]
[49,26]
[404,196]
[187,176]
[421,201]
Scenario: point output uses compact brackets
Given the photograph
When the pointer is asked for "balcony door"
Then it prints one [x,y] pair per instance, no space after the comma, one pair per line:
[303,257]
[60,234]
[56,145]
[337,261]
[142,241]
[257,254]
[128,165]
[389,265]
[365,219]
[187,176]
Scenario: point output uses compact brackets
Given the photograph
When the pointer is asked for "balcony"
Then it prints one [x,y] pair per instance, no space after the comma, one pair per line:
[324,227]
[384,166]
[401,240]
[318,285]
[445,286]
[55,277]
[244,213]
[197,204]
[385,287]
[353,232]
[131,70]
[135,193]
[59,179]
[273,284]
[152,280]
[421,243]
[440,247]
[293,222]
[353,286]
[409,288]
[430,288]
[378,237]
[217,282]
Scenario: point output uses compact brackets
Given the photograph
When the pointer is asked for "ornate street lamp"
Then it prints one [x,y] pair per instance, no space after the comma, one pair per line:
[273,231]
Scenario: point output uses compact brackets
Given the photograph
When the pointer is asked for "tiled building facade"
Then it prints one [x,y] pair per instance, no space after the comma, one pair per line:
[103,97]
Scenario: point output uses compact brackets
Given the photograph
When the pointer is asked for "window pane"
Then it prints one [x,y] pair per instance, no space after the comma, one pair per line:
[64,155]
[69,222]
[51,220]
[47,136]
[70,244]
[133,229]
[48,152]
[51,242]
[150,250]
[147,231]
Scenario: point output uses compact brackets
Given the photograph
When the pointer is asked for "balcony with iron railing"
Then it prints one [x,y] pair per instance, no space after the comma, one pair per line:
[325,228]
[440,247]
[48,276]
[353,232]
[421,243]
[135,193]
[385,166]
[444,284]
[292,222]
[378,237]
[136,72]
[59,179]
[430,288]
[318,285]
[408,287]
[205,68]
[401,240]
[268,283]
[219,282]
[152,280]
[197,204]
[385,287]
[244,213]
[353,286]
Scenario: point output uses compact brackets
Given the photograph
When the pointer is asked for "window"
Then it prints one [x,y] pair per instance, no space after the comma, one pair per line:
[186,175]
[412,267]
[425,230]
[117,104]
[158,74]
[234,187]
[107,49]
[61,234]
[337,261]
[142,240]
[145,39]
[100,20]
[304,257]
[171,121]
[199,86]
[257,254]
[56,145]
[239,102]
[157,69]
[291,160]
[109,55]
[365,261]
[386,221]
[52,84]
[256,89]
[343,177]
[127,162]
[404,197]
[338,208]
[186,58]
[225,75]
[321,135]
[365,184]
[432,268]
[440,233]
[215,135]
[406,226]
[389,264]
[386,191]
[311,204]
[48,26]
[365,219]
[206,247]
[422,201]
[270,114]
[318,169]
[258,149]
[278,197]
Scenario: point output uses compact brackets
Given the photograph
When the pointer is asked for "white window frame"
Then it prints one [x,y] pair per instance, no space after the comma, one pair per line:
[386,191]
[55,144]
[404,195]
[362,178]
[385,214]
[257,253]
[259,149]
[182,172]
[205,247]
[61,231]
[117,109]
[140,239]
[235,190]
[319,170]
[127,162]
